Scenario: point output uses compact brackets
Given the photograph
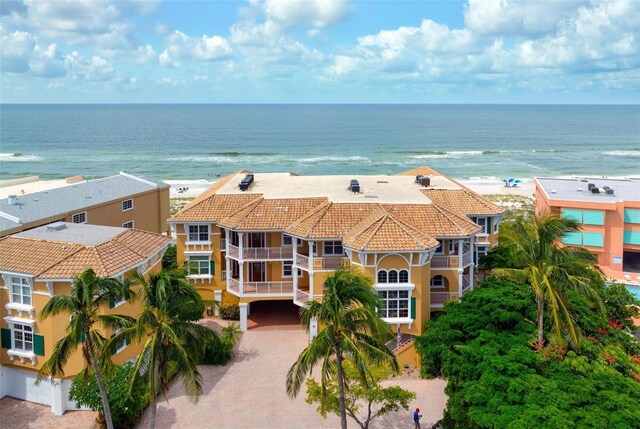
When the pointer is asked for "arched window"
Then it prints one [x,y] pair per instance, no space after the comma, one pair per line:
[403,276]
[438,282]
[382,276]
[393,276]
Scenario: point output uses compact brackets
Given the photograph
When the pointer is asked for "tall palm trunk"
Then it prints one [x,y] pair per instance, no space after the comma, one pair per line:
[540,321]
[154,405]
[106,410]
[343,406]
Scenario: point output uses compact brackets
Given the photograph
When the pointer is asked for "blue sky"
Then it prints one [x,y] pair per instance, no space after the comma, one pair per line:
[320,51]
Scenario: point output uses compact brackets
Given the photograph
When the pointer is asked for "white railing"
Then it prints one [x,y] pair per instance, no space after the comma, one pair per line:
[302,261]
[440,262]
[223,275]
[234,251]
[302,296]
[467,258]
[330,262]
[234,285]
[466,283]
[268,288]
[439,298]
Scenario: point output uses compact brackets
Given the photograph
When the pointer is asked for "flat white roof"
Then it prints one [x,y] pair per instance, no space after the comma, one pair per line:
[79,233]
[576,189]
[373,189]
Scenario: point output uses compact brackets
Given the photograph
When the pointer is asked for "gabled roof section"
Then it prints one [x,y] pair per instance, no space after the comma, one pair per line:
[433,220]
[49,259]
[213,207]
[382,231]
[422,171]
[332,220]
[271,214]
[31,256]
[463,201]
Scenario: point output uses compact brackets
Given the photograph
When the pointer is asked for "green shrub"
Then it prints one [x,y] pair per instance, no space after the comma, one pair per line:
[230,312]
[170,258]
[125,409]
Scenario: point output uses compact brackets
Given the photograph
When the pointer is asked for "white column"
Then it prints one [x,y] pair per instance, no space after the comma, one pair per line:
[3,385]
[241,261]
[294,270]
[217,295]
[472,267]
[311,295]
[243,316]
[313,328]
[58,401]
[229,271]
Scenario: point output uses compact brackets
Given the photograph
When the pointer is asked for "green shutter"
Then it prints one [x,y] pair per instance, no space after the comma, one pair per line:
[38,345]
[595,239]
[212,264]
[593,217]
[413,308]
[631,216]
[489,224]
[572,215]
[112,302]
[572,238]
[114,346]
[632,237]
[6,338]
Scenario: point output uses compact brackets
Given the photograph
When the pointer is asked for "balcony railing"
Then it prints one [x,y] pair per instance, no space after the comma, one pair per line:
[328,263]
[440,262]
[302,297]
[261,288]
[234,286]
[302,261]
[261,253]
[439,298]
[467,258]
[466,282]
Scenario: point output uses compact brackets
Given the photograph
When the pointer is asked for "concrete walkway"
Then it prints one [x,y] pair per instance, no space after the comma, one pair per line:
[249,392]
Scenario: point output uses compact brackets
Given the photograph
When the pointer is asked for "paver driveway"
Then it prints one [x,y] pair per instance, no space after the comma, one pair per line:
[17,414]
[250,392]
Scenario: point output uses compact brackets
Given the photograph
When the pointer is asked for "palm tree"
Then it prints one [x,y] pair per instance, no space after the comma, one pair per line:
[351,330]
[551,270]
[167,337]
[85,302]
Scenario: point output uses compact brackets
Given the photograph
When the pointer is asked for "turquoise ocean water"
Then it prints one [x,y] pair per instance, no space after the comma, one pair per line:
[201,141]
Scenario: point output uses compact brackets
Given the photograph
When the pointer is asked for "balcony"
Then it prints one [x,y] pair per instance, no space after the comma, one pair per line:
[302,261]
[261,253]
[301,297]
[260,288]
[439,298]
[440,262]
[452,261]
[328,263]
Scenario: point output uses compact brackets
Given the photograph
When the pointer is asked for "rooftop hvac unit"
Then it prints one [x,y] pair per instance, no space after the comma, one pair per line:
[609,191]
[595,190]
[590,186]
[418,177]
[425,181]
[246,182]
[354,186]
[12,200]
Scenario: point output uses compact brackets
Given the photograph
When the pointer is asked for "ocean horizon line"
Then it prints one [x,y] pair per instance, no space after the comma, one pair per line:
[314,104]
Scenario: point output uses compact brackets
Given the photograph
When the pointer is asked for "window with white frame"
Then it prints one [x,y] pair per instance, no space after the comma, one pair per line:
[453,247]
[395,303]
[393,276]
[199,265]
[127,205]
[198,233]
[482,222]
[20,290]
[438,282]
[333,248]
[481,251]
[440,248]
[287,241]
[496,224]
[287,269]
[22,337]
[120,344]
[128,224]
[79,217]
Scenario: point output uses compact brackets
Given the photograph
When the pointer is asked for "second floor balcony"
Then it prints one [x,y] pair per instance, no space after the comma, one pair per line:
[327,263]
[260,288]
[261,253]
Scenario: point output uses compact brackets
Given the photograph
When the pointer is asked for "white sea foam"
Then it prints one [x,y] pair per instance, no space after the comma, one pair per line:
[446,154]
[211,159]
[19,157]
[632,153]
[332,159]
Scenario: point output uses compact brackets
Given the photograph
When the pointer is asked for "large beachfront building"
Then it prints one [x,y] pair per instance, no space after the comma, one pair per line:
[123,200]
[276,236]
[42,262]
[609,213]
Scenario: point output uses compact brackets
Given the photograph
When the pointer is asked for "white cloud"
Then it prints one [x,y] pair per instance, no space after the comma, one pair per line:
[180,46]
[95,68]
[319,13]
[22,53]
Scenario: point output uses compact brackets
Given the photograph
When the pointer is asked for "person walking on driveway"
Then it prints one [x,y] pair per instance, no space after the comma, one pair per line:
[416,418]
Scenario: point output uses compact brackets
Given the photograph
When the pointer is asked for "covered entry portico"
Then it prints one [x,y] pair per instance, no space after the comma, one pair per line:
[272,314]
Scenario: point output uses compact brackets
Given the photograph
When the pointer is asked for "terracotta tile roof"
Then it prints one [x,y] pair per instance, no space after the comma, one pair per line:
[424,171]
[31,256]
[271,214]
[382,231]
[463,201]
[212,207]
[332,220]
[433,220]
[61,260]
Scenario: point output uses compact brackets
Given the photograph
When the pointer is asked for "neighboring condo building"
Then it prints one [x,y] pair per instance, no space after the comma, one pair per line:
[609,213]
[123,200]
[42,262]
[416,238]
